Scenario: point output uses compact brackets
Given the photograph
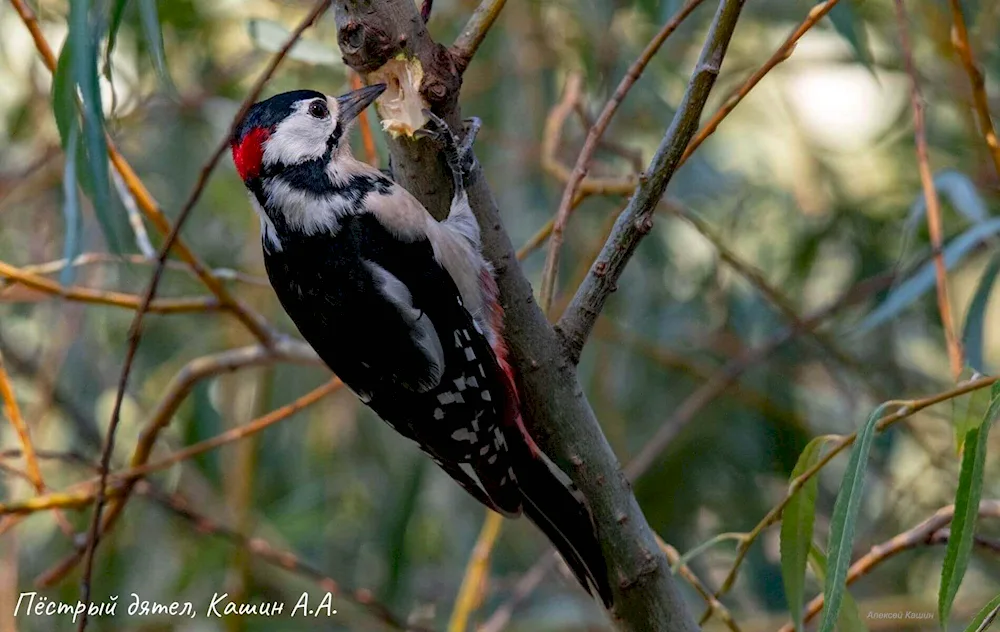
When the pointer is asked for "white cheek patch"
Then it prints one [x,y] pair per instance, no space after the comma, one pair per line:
[299,137]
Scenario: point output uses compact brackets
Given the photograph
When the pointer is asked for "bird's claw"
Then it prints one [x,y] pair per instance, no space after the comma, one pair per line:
[459,154]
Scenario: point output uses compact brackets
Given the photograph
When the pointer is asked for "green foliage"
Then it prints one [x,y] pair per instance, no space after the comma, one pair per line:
[849,618]
[985,617]
[84,31]
[975,318]
[797,531]
[963,525]
[843,523]
[922,281]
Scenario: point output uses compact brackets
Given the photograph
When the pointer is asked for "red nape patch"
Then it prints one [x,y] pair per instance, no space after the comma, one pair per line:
[250,152]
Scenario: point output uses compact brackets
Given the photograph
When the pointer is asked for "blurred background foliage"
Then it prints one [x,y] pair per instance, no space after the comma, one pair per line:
[812,181]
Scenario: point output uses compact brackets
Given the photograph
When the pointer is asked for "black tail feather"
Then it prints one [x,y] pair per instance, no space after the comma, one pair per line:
[565,520]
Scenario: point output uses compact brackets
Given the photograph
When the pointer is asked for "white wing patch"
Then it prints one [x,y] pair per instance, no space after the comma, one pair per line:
[423,333]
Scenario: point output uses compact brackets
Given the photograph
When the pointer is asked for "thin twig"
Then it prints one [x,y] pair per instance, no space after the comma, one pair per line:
[282,559]
[549,153]
[121,480]
[13,412]
[34,473]
[636,220]
[674,557]
[550,140]
[927,532]
[468,41]
[780,55]
[583,160]
[367,140]
[470,594]
[930,196]
[94,258]
[772,294]
[980,102]
[525,586]
[101,297]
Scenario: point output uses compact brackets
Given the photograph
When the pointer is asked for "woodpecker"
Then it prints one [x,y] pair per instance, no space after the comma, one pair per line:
[403,308]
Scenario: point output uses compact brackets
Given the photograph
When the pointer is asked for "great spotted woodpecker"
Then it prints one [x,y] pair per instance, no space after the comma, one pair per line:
[402,307]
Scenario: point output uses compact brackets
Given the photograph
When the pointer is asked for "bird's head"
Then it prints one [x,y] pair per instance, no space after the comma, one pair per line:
[296,127]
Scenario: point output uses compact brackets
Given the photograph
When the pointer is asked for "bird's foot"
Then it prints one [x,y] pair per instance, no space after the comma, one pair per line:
[458,154]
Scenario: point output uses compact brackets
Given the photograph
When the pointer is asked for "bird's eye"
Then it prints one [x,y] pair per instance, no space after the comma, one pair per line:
[318,109]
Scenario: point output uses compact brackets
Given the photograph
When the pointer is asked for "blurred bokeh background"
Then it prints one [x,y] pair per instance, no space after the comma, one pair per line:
[807,189]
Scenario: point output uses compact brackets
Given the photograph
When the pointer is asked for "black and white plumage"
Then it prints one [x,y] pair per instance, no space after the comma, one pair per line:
[402,308]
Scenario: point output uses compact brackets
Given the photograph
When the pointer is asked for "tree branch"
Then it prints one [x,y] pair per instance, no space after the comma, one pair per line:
[954,345]
[637,219]
[590,146]
[980,101]
[475,30]
[101,297]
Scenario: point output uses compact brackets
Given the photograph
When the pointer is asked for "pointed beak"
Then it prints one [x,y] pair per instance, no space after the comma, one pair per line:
[352,103]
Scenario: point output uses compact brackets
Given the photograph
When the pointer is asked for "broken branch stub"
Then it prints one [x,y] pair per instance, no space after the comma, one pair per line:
[391,45]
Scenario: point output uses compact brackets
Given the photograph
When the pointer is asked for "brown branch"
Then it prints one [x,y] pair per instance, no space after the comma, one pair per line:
[367,140]
[550,143]
[123,479]
[626,185]
[135,331]
[689,576]
[636,220]
[101,297]
[551,164]
[97,258]
[929,531]
[34,473]
[590,146]
[980,101]
[468,41]
[930,195]
[13,412]
[470,594]
[780,55]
